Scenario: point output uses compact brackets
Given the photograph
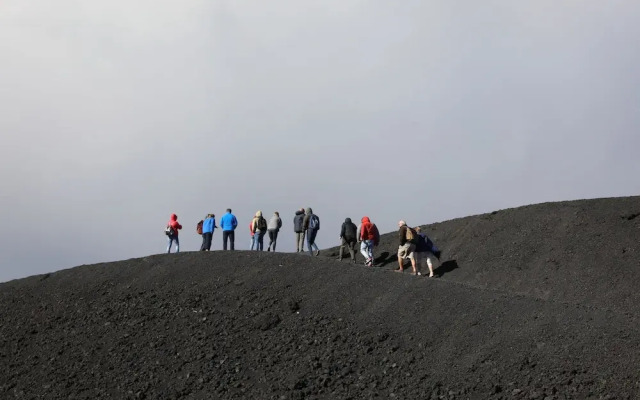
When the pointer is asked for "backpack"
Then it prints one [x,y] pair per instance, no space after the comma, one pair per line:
[199,227]
[314,222]
[410,235]
[262,224]
[376,234]
[169,231]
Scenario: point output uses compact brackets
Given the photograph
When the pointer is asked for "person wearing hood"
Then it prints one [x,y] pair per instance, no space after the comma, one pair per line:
[173,226]
[273,227]
[369,238]
[208,226]
[228,224]
[311,224]
[298,228]
[348,239]
[259,228]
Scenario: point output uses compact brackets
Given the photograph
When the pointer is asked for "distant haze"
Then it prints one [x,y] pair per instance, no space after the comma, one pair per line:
[115,114]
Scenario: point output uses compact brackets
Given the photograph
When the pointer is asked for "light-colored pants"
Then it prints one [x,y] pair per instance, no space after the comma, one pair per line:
[171,239]
[366,248]
[300,241]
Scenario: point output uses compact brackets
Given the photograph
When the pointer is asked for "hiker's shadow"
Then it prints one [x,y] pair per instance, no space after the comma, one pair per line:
[446,267]
[385,258]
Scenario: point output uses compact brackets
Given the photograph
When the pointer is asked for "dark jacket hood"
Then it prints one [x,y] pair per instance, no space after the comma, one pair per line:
[347,220]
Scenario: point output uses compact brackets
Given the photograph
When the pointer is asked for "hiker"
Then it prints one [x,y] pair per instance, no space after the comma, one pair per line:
[253,235]
[172,233]
[311,224]
[348,238]
[208,226]
[407,237]
[228,224]
[275,223]
[259,228]
[369,237]
[298,220]
[425,249]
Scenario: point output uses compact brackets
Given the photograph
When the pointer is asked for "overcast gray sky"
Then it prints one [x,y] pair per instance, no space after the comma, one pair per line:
[114,114]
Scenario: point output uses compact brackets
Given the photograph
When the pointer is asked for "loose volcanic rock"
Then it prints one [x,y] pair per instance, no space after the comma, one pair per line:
[533,302]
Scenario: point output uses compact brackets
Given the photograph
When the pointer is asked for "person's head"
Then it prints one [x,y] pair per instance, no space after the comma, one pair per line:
[174,217]
[228,210]
[365,219]
[401,223]
[418,229]
[258,213]
[347,220]
[302,209]
[309,210]
[277,214]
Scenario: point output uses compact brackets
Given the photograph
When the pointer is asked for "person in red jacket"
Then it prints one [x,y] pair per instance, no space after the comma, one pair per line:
[173,233]
[369,237]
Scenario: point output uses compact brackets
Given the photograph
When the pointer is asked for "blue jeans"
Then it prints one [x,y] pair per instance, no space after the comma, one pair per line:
[170,240]
[311,240]
[258,241]
[366,248]
[253,241]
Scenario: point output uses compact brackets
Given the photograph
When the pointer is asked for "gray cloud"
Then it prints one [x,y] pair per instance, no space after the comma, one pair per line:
[117,114]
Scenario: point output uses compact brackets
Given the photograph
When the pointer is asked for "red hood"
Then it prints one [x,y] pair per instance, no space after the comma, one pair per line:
[174,217]
[365,219]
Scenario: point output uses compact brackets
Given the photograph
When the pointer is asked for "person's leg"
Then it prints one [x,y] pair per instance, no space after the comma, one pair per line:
[341,252]
[363,251]
[313,244]
[232,239]
[261,241]
[275,240]
[253,241]
[204,242]
[352,250]
[177,245]
[370,251]
[430,265]
[301,242]
[169,241]
[225,236]
[401,255]
[209,238]
[270,240]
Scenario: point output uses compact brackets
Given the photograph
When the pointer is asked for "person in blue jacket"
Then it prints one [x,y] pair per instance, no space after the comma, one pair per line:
[208,226]
[228,224]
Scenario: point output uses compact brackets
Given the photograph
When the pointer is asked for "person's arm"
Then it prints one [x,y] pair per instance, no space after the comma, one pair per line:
[359,233]
[234,222]
[279,223]
[305,222]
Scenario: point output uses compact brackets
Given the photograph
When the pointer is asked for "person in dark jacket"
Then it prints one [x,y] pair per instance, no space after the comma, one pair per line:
[299,230]
[228,224]
[275,223]
[311,224]
[425,249]
[348,238]
[173,237]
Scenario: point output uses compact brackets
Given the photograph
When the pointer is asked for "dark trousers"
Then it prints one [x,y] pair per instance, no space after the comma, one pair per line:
[231,236]
[351,245]
[273,237]
[206,241]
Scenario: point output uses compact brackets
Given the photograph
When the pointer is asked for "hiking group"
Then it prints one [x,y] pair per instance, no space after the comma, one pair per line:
[413,244]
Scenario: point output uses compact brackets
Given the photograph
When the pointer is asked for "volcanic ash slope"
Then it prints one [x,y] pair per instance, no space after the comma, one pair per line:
[533,302]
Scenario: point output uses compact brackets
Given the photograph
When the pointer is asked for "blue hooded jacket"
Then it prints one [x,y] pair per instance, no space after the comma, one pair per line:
[209,225]
[228,222]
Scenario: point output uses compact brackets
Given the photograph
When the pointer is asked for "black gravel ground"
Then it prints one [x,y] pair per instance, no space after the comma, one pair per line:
[538,302]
